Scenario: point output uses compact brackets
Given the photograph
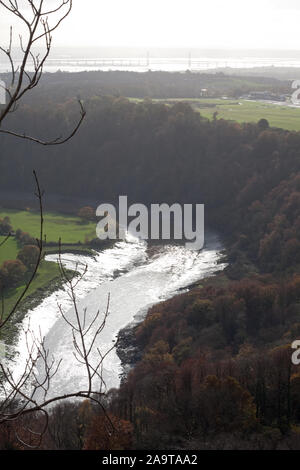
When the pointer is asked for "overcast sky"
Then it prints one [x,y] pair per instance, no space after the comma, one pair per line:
[272,24]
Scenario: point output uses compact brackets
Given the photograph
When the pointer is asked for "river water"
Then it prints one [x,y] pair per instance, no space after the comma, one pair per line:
[135,278]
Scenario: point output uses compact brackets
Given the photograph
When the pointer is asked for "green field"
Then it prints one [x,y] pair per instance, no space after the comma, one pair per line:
[278,115]
[9,250]
[69,228]
[47,272]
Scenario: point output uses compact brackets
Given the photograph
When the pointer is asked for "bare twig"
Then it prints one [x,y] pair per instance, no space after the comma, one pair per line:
[39,28]
[29,392]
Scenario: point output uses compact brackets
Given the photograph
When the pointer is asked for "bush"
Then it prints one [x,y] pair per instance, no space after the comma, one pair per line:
[29,256]
[12,272]
[5,226]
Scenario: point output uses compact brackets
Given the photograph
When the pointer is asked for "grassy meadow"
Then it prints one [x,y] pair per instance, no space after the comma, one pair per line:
[279,115]
[47,273]
[9,250]
[69,228]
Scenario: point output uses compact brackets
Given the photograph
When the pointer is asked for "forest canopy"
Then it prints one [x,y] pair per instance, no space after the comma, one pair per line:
[247,175]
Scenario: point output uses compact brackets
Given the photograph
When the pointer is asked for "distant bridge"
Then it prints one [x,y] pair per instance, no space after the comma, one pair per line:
[132,63]
[160,63]
[99,62]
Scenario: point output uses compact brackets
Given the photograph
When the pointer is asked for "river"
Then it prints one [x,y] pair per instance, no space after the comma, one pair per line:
[135,278]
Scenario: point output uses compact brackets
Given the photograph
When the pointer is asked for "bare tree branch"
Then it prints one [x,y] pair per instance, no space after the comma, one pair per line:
[28,393]
[39,257]
[39,28]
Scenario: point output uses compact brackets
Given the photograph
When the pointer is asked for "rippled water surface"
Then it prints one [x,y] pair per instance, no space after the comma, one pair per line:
[134,279]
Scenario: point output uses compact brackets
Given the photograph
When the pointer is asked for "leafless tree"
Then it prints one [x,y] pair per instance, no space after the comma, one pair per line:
[40,18]
[24,397]
[28,393]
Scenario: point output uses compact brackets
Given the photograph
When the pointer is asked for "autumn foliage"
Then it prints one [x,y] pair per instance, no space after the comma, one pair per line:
[107,432]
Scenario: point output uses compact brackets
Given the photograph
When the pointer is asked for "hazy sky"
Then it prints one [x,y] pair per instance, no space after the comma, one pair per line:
[187,23]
